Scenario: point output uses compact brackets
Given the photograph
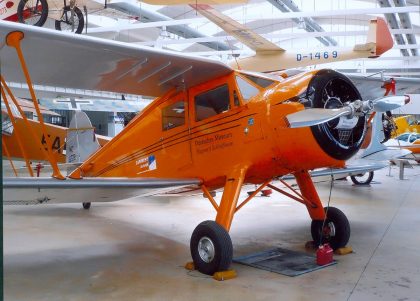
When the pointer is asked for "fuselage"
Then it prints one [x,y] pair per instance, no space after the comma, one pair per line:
[232,122]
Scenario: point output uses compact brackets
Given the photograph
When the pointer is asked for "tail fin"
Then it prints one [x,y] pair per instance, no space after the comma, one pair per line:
[81,140]
[379,39]
[376,150]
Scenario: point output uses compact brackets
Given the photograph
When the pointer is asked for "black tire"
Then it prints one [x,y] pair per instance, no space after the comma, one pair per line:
[86,205]
[360,180]
[215,239]
[65,21]
[336,229]
[32,12]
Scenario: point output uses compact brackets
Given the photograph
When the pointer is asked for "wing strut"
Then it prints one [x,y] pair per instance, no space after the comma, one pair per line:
[13,40]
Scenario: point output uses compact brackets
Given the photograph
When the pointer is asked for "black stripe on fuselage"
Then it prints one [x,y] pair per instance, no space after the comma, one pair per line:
[166,143]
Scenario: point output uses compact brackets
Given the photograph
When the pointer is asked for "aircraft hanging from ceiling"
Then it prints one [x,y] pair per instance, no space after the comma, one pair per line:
[210,127]
[270,57]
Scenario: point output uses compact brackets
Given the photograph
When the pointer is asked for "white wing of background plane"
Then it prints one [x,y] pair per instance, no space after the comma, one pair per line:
[239,31]
[370,87]
[178,2]
[270,57]
[58,59]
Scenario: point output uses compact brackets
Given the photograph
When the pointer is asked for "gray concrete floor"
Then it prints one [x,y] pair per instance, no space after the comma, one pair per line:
[135,249]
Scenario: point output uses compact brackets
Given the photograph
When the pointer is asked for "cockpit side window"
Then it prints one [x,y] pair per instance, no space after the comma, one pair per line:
[173,115]
[247,90]
[212,102]
[403,137]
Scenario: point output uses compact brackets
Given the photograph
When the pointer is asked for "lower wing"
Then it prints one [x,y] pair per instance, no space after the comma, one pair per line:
[49,190]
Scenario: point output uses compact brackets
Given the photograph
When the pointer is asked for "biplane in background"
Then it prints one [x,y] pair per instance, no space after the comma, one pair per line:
[210,127]
[23,139]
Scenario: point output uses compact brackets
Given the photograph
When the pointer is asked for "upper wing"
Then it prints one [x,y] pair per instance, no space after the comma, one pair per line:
[178,2]
[55,58]
[41,190]
[370,87]
[240,32]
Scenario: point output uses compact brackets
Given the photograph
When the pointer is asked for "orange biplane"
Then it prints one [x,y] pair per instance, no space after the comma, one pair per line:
[209,128]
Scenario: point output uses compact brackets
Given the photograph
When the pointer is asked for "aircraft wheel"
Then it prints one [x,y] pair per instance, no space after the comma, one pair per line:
[66,23]
[362,179]
[32,12]
[86,205]
[336,229]
[211,248]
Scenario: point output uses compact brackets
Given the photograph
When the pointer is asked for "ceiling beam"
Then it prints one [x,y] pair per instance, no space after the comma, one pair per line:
[148,15]
[324,13]
[391,18]
[405,21]
[309,24]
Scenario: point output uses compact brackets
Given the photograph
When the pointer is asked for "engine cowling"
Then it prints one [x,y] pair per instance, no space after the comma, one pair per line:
[340,138]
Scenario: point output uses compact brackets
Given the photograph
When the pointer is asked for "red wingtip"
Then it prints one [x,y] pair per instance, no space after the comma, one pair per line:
[384,40]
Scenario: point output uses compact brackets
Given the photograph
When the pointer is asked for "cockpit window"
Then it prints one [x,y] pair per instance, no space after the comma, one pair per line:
[173,115]
[413,138]
[262,82]
[212,102]
[403,137]
[247,90]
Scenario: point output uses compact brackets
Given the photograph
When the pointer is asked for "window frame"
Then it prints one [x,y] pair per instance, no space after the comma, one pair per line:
[199,89]
[181,97]
[238,90]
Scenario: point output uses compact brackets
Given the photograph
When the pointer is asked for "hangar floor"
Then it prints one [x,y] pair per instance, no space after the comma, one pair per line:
[135,249]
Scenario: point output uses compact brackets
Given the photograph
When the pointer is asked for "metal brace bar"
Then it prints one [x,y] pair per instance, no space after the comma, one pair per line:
[18,137]
[6,150]
[22,114]
[252,195]
[175,75]
[153,72]
[13,40]
[139,64]
[300,200]
[209,196]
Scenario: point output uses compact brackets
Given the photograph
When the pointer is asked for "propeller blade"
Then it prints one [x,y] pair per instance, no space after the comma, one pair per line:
[311,117]
[390,103]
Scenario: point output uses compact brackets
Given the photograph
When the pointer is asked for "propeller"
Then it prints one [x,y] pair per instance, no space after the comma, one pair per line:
[315,116]
[390,103]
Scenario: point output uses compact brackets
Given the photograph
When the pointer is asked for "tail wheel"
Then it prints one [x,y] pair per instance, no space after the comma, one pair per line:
[67,23]
[336,230]
[211,248]
[32,12]
[86,205]
[362,179]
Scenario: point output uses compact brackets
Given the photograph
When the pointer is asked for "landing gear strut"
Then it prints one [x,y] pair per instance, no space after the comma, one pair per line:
[86,205]
[211,248]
